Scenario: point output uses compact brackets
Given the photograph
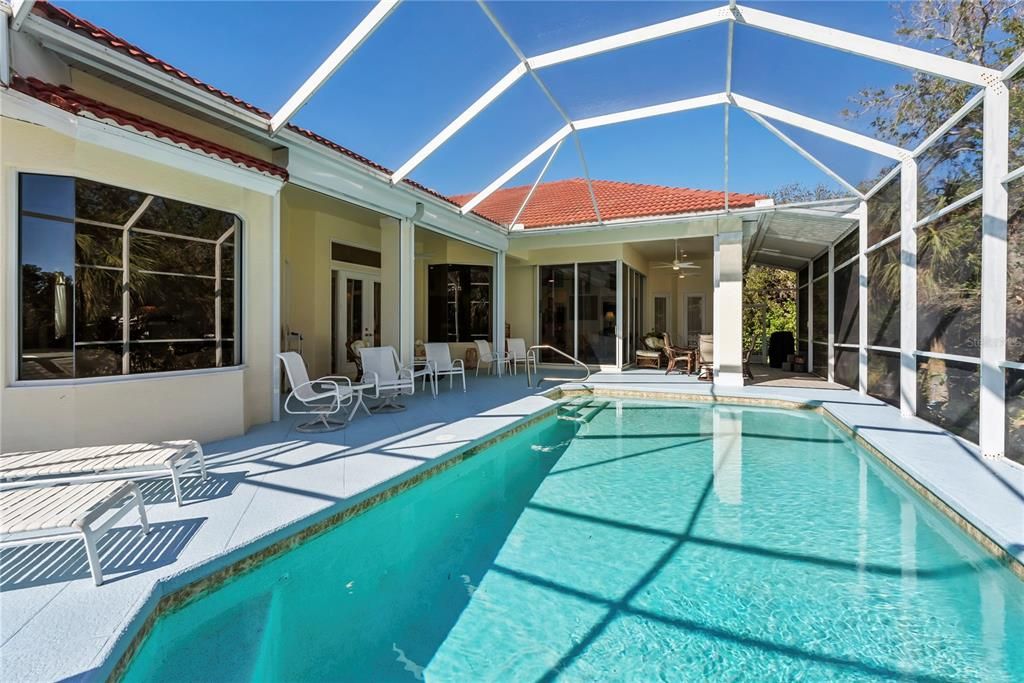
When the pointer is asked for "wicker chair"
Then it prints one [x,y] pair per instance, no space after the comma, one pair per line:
[677,357]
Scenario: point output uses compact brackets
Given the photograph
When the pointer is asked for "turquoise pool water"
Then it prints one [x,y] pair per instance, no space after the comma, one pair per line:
[649,542]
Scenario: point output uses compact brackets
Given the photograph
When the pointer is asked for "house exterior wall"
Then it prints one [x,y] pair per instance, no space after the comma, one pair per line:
[206,404]
[310,222]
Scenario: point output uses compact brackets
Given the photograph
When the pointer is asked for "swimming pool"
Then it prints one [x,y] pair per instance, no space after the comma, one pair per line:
[639,541]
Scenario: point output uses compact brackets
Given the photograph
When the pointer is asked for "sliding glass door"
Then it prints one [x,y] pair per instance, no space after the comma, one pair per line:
[632,314]
[577,311]
[557,310]
[596,320]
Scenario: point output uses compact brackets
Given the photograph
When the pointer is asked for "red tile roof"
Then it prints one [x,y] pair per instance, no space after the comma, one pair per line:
[66,98]
[567,202]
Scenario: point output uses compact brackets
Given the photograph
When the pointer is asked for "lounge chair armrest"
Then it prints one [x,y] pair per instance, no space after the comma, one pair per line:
[458,362]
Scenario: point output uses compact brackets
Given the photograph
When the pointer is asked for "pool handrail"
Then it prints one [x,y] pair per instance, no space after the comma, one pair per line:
[537,347]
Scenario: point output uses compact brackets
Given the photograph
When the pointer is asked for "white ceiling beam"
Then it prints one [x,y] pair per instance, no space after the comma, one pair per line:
[370,23]
[805,154]
[872,48]
[644,34]
[20,9]
[651,111]
[482,102]
[821,128]
[519,166]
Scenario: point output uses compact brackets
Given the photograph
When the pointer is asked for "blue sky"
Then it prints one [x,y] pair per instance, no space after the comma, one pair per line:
[431,59]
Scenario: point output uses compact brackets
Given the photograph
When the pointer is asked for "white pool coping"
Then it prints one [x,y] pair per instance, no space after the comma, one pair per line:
[55,625]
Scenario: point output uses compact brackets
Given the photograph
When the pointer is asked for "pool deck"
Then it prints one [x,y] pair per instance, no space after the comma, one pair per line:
[56,625]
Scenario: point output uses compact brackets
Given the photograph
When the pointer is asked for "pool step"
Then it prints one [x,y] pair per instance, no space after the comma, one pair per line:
[581,410]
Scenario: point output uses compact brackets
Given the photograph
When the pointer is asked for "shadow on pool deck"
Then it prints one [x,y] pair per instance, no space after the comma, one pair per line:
[125,551]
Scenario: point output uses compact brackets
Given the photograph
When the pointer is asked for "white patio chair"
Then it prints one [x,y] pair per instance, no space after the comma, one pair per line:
[518,354]
[439,360]
[486,355]
[382,370]
[323,397]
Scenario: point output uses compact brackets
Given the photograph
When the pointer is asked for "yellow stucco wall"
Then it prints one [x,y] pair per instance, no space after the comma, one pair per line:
[203,405]
[310,222]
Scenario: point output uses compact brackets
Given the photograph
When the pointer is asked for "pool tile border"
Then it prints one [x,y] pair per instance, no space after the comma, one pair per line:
[194,590]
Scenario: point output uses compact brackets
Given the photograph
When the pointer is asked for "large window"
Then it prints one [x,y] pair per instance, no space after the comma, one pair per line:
[117,282]
[557,309]
[459,303]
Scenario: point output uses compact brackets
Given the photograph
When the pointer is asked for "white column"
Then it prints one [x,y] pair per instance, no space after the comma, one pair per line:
[275,307]
[728,306]
[498,304]
[406,290]
[908,288]
[831,334]
[620,289]
[993,271]
[810,316]
[862,301]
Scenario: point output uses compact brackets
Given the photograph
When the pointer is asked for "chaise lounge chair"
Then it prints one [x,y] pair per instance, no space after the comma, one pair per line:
[56,513]
[103,463]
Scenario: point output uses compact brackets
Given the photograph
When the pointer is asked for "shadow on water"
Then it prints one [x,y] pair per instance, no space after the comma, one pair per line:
[378,584]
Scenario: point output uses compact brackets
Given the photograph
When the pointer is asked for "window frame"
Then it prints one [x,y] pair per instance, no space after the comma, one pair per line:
[12,281]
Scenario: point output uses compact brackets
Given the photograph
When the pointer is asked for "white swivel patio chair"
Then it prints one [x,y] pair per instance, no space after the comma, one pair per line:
[517,354]
[486,355]
[323,398]
[439,360]
[382,370]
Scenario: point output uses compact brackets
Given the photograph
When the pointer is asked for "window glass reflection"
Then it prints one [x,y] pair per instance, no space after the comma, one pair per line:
[181,271]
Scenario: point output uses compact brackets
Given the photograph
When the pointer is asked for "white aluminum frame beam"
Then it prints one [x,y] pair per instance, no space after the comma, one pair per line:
[872,48]
[908,288]
[821,128]
[533,188]
[547,93]
[747,104]
[636,36]
[481,103]
[370,23]
[608,43]
[994,203]
[805,154]
[20,10]
[559,135]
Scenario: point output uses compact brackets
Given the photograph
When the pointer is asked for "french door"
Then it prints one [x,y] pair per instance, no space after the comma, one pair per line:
[356,314]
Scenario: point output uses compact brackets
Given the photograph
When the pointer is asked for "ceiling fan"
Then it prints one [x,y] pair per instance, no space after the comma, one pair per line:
[676,263]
